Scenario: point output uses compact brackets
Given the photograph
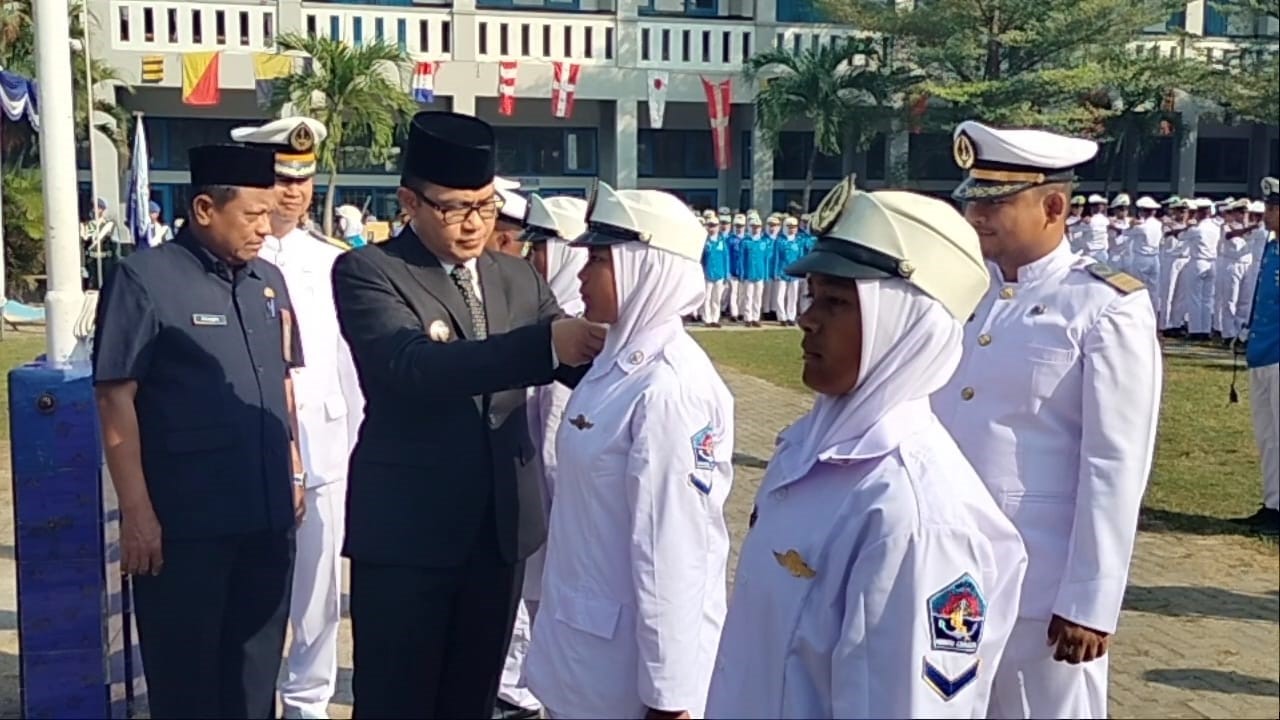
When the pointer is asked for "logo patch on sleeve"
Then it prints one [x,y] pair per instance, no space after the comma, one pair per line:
[704,449]
[948,687]
[956,615]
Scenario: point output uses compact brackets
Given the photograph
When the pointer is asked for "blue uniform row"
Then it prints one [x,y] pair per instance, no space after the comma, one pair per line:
[744,257]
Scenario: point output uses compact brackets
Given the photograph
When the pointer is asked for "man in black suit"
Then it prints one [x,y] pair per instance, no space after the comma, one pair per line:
[444,501]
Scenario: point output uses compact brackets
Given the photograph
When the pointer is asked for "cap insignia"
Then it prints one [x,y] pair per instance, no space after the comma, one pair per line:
[301,139]
[962,151]
[824,218]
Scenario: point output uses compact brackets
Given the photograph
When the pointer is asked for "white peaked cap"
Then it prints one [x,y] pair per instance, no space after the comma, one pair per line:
[1204,203]
[514,205]
[1146,202]
[652,217]
[1001,162]
[739,219]
[562,216]
[1121,200]
[1257,206]
[893,233]
[754,219]
[1190,204]
[1096,199]
[294,140]
[1227,201]
[1270,189]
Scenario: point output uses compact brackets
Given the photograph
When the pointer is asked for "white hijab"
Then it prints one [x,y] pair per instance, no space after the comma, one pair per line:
[910,348]
[654,287]
[563,265]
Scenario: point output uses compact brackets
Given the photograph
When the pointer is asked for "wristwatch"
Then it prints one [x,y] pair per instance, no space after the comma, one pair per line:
[300,479]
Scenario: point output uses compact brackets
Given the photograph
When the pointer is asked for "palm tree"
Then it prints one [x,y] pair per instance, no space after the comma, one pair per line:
[848,91]
[357,92]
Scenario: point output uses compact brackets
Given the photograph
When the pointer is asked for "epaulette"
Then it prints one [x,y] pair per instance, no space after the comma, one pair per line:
[325,238]
[1121,281]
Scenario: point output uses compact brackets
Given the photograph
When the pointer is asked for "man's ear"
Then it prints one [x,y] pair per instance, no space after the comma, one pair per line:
[1055,205]
[408,199]
[202,210]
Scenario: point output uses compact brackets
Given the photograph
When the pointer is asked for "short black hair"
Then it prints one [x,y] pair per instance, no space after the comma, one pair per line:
[219,194]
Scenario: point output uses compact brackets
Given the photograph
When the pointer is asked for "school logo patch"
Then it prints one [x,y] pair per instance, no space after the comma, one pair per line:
[704,449]
[956,615]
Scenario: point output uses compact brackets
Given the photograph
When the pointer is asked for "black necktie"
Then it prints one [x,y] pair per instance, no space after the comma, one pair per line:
[462,278]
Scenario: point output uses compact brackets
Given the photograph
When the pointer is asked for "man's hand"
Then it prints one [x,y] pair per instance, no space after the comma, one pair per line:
[140,552]
[666,714]
[576,340]
[1076,643]
[299,504]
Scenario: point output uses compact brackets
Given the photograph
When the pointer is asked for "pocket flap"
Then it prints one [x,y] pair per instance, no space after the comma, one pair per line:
[592,615]
[335,406]
[200,439]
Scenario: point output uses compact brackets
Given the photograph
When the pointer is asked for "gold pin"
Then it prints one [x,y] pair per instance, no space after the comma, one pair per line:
[795,564]
[268,292]
[581,422]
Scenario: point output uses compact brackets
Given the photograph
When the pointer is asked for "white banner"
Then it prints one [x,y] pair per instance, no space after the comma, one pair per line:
[657,97]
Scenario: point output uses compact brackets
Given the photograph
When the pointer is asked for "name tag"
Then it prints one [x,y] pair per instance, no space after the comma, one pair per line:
[207,320]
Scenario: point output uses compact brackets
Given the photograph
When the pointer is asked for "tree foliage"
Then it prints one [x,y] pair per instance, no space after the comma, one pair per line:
[357,92]
[1253,92]
[1013,62]
[848,92]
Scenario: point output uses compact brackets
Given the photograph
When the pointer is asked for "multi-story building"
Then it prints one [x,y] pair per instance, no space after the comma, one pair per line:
[617,43]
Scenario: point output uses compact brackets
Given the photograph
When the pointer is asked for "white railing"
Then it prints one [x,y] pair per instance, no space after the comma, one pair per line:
[522,35]
[188,26]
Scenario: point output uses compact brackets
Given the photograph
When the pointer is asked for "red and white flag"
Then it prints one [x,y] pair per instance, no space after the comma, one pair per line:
[657,97]
[423,87]
[564,83]
[507,87]
[718,106]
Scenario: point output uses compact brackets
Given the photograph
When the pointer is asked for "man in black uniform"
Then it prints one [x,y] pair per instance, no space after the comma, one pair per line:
[444,501]
[192,349]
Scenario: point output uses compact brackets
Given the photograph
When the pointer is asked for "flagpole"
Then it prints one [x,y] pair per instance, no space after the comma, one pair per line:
[64,296]
[89,111]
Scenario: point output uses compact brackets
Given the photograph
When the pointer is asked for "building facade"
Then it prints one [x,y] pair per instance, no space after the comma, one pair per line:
[617,44]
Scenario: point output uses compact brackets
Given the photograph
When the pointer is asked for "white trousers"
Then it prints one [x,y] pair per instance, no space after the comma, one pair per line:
[786,293]
[735,298]
[1264,399]
[1029,683]
[1172,312]
[1229,299]
[512,686]
[1147,269]
[752,299]
[769,296]
[1198,278]
[315,609]
[714,301]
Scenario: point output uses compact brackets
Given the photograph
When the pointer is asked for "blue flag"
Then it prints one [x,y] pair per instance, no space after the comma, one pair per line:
[138,210]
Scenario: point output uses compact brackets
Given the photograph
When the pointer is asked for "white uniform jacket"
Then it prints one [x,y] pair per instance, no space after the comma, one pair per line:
[1055,403]
[633,593]
[1201,240]
[326,391]
[881,583]
[545,409]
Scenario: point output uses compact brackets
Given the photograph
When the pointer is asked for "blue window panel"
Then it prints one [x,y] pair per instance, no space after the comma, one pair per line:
[402,32]
[335,27]
[377,30]
[701,7]
[1215,22]
[495,4]
[565,192]
[1178,21]
[547,151]
[675,153]
[797,11]
[357,31]
[645,7]
[567,5]
[700,198]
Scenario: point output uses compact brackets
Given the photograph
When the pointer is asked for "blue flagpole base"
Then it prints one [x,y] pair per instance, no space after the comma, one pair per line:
[76,633]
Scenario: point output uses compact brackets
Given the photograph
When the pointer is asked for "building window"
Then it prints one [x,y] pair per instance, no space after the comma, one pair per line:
[268,29]
[546,41]
[424,36]
[244,28]
[568,41]
[546,151]
[504,42]
[744,200]
[172,16]
[1222,160]
[666,46]
[446,36]
[378,34]
[484,38]
[171,138]
[357,31]
[220,26]
[311,26]
[675,154]
[746,46]
[524,39]
[608,43]
[878,158]
[644,43]
[706,46]
[124,24]
[1156,164]
[588,47]
[148,24]
[197,27]
[797,11]
[929,157]
[335,27]
[702,7]
[791,156]
[747,156]
[565,192]
[402,30]
[699,199]
[726,41]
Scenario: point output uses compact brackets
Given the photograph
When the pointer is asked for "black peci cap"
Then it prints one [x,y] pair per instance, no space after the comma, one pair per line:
[450,149]
[232,165]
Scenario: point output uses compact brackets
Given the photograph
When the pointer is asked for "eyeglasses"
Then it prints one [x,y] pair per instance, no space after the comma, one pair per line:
[458,214]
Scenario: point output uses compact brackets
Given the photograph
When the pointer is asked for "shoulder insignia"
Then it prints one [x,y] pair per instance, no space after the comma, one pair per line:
[948,686]
[326,239]
[957,614]
[1122,281]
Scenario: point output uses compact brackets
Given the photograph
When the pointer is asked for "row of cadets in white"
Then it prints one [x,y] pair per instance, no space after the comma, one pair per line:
[879,579]
[633,592]
[553,222]
[1055,404]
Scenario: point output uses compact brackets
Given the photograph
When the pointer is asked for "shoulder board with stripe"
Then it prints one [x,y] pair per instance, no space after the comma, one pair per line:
[332,241]
[1121,281]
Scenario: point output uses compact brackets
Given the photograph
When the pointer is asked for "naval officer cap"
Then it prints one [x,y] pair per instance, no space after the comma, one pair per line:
[515,206]
[554,218]
[898,234]
[1256,207]
[1002,162]
[450,150]
[293,140]
[232,166]
[651,217]
[1121,201]
[1146,202]
[1271,191]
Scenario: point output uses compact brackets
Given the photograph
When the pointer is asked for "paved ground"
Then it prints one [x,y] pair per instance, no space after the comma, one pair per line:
[1200,635]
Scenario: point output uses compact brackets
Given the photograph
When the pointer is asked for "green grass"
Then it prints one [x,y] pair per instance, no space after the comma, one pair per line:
[1206,467]
[16,348]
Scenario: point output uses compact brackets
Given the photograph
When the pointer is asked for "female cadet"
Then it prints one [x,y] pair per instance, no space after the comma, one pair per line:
[549,224]
[633,593]
[879,578]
